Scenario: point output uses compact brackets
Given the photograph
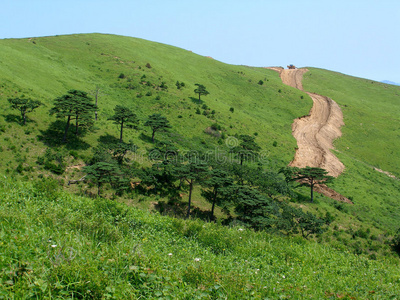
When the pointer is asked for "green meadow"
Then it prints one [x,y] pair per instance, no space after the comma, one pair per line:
[55,245]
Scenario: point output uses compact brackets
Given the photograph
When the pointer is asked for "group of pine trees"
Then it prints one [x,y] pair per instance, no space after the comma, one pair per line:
[251,191]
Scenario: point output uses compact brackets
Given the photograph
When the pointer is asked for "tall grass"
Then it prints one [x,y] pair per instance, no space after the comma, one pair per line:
[64,246]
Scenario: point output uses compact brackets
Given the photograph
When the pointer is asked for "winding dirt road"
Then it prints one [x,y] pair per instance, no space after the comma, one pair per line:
[316,132]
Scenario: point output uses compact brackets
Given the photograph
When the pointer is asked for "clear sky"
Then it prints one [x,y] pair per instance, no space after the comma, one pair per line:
[355,37]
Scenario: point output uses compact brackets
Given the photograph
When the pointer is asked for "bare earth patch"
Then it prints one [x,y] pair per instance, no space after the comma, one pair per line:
[316,132]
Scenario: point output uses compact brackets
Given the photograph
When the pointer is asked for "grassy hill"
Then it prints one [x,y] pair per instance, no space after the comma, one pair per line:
[45,68]
[242,100]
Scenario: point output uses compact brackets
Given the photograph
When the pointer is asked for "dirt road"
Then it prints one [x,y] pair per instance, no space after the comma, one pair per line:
[316,132]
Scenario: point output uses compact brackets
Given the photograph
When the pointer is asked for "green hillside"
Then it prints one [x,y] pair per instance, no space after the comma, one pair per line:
[242,100]
[46,68]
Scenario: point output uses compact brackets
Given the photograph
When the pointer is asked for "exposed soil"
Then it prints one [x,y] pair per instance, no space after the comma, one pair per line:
[316,132]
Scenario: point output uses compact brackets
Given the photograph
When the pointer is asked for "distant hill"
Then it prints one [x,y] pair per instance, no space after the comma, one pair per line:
[390,82]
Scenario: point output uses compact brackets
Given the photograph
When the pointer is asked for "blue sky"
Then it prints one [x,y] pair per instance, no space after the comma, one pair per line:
[355,37]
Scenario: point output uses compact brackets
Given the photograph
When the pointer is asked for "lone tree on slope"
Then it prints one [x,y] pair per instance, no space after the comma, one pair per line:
[75,105]
[123,116]
[157,122]
[24,106]
[309,176]
[201,90]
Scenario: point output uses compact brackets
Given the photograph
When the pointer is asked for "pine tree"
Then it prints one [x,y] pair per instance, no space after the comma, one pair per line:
[218,192]
[75,105]
[157,123]
[310,176]
[123,116]
[201,90]
[24,106]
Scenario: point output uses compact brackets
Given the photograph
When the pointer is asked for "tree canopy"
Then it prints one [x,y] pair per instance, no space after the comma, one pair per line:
[310,176]
[24,105]
[123,116]
[201,90]
[157,122]
[247,148]
[75,105]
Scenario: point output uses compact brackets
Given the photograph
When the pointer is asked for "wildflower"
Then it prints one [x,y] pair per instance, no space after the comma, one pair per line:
[197,259]
[283,276]
[240,229]
[169,254]
[53,246]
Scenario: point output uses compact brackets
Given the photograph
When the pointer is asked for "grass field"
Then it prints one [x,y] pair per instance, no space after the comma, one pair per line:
[57,246]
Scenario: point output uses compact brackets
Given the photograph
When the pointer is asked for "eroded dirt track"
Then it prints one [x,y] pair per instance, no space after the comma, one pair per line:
[316,132]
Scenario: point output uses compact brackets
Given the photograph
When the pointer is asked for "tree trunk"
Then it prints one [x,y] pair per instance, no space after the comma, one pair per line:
[199,97]
[190,198]
[213,204]
[152,136]
[96,96]
[66,129]
[23,118]
[76,125]
[312,190]
[122,128]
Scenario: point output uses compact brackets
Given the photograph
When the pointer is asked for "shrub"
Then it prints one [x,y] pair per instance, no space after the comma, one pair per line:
[396,242]
[163,86]
[148,66]
[121,76]
[149,94]
[275,143]
[232,109]
[261,82]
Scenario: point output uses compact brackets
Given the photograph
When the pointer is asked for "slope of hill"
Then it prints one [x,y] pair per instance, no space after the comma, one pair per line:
[45,68]
[242,100]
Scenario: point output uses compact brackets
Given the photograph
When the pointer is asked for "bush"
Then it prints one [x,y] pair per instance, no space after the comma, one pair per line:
[261,82]
[148,66]
[396,242]
[232,109]
[121,76]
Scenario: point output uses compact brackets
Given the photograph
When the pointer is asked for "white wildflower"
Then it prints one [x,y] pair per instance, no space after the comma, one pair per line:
[54,246]
[197,259]
[169,254]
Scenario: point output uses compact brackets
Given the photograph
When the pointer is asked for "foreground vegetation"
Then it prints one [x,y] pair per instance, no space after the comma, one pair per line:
[56,245]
